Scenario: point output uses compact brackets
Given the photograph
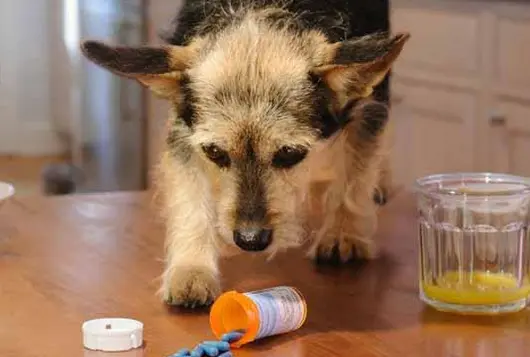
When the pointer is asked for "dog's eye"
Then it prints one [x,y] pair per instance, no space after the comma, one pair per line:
[287,157]
[217,155]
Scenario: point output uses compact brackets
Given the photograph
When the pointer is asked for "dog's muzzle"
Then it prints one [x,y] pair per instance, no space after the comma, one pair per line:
[253,239]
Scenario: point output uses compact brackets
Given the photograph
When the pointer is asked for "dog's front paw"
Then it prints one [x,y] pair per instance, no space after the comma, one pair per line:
[190,287]
[340,251]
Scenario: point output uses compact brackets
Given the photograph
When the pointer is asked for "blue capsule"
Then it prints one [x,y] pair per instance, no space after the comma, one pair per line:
[213,348]
[210,350]
[222,346]
[197,351]
[232,337]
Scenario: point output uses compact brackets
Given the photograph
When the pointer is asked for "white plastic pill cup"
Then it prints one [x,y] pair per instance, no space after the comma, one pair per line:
[112,334]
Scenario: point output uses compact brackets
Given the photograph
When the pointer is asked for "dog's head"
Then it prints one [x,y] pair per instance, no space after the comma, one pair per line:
[253,100]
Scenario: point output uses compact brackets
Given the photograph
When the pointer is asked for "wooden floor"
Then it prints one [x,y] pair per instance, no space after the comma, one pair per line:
[24,172]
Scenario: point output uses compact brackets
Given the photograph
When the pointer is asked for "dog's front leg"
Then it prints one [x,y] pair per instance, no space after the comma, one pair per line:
[350,218]
[347,232]
[191,276]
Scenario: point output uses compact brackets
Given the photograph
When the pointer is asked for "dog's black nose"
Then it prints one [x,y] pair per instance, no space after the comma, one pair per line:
[253,239]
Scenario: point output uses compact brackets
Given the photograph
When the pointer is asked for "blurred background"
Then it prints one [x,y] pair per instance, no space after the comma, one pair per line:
[62,117]
[460,93]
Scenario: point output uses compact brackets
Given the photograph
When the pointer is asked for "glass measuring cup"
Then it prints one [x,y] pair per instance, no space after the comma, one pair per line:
[474,243]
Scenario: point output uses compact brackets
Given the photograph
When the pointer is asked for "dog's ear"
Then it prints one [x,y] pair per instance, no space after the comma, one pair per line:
[158,68]
[360,64]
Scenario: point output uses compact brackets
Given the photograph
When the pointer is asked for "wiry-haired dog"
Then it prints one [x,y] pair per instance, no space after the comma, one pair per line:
[262,92]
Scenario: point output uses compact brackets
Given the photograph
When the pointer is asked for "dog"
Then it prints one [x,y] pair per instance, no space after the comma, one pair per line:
[261,93]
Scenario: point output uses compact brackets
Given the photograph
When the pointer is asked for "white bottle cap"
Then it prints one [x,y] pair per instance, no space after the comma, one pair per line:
[112,334]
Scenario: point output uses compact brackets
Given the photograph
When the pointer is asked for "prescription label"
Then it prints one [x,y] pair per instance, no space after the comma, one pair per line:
[281,309]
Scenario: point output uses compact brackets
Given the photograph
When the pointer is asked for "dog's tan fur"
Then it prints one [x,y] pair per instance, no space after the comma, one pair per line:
[253,83]
[350,213]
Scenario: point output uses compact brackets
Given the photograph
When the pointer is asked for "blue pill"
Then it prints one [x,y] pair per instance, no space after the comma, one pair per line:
[222,346]
[197,352]
[210,350]
[232,336]
[213,348]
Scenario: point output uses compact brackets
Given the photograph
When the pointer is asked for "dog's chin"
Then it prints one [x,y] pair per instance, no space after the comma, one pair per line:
[269,252]
[253,249]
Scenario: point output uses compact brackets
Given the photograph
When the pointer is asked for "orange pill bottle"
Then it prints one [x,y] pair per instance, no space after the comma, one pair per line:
[260,313]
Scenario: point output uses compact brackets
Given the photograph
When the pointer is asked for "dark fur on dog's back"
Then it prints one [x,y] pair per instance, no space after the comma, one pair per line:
[337,19]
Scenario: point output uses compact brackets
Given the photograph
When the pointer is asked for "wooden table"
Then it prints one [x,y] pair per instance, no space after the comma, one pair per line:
[66,260]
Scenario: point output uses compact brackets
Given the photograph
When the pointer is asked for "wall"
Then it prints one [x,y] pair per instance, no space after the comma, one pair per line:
[160,13]
[27,125]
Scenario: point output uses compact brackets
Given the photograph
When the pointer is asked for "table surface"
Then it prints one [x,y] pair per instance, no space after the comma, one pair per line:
[66,260]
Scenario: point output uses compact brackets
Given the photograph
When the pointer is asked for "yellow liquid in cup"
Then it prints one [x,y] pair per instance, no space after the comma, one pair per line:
[477,288]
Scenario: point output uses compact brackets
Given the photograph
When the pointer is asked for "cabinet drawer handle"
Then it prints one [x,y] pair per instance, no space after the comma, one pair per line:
[497,120]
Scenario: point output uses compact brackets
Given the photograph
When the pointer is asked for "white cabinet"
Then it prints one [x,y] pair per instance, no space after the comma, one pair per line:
[513,55]
[509,146]
[509,125]
[461,89]
[440,41]
[433,130]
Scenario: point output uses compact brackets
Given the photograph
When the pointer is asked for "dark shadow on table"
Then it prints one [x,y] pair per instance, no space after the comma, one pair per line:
[182,311]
